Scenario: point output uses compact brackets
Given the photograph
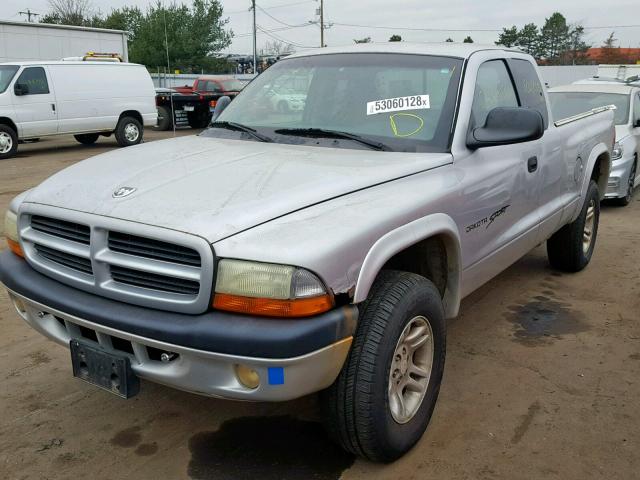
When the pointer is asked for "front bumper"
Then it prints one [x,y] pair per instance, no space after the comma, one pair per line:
[291,357]
[619,178]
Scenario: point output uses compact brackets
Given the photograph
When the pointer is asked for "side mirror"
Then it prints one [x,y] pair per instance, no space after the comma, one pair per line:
[505,126]
[221,104]
[21,89]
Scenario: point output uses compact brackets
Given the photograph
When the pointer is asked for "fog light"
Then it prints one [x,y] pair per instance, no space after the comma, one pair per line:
[247,376]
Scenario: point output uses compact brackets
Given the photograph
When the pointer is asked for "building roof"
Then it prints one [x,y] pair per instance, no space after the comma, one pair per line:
[446,49]
[62,27]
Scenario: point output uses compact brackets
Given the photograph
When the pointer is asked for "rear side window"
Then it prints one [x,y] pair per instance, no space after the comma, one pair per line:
[529,87]
[36,79]
[494,88]
[636,111]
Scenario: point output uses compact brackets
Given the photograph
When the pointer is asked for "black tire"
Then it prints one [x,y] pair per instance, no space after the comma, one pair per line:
[356,407]
[87,138]
[8,142]
[626,200]
[122,132]
[164,119]
[198,120]
[566,249]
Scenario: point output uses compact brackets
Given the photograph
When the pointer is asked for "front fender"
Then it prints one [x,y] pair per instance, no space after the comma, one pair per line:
[405,236]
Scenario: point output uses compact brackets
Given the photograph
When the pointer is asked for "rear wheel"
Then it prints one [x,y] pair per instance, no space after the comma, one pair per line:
[87,138]
[383,399]
[198,120]
[164,119]
[626,200]
[570,248]
[128,132]
[8,142]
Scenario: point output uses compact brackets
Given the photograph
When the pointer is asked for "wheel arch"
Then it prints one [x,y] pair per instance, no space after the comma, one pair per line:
[434,241]
[598,169]
[10,123]
[131,113]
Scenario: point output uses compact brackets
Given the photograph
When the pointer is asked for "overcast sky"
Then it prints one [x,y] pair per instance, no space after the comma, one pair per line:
[469,16]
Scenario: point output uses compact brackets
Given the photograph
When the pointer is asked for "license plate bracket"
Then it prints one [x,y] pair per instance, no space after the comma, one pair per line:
[109,371]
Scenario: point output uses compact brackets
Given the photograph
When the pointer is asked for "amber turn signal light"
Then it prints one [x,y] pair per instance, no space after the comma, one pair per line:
[269,307]
[15,247]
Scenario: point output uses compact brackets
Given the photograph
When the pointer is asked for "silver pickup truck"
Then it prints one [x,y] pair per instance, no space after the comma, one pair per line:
[289,251]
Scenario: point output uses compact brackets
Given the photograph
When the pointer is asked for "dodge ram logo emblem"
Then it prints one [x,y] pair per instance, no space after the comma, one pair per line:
[123,192]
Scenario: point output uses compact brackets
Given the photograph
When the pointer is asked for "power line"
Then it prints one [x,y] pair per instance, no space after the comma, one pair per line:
[280,21]
[271,8]
[417,29]
[279,29]
[284,40]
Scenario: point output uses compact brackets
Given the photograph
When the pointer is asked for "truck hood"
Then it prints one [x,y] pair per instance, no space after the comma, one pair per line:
[215,188]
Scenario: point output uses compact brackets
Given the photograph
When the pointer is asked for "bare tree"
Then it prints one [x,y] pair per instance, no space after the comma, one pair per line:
[277,48]
[69,12]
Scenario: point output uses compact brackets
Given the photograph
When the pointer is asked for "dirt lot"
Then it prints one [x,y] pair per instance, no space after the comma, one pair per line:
[541,382]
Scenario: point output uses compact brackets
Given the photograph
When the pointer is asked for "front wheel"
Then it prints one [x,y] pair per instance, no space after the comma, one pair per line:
[128,132]
[8,142]
[382,401]
[626,200]
[570,248]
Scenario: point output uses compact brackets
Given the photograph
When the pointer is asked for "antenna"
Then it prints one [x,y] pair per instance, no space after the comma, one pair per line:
[166,44]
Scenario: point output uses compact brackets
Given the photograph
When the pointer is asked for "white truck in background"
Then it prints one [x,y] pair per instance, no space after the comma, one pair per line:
[85,99]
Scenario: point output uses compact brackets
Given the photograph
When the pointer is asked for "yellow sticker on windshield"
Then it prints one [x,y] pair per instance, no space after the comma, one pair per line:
[413,119]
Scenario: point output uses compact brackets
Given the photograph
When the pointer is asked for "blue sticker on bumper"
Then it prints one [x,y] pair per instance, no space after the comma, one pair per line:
[276,375]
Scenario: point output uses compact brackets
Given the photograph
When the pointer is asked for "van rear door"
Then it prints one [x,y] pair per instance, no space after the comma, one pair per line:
[34,102]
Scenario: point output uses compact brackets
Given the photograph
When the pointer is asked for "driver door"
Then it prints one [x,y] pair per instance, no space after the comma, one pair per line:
[36,111]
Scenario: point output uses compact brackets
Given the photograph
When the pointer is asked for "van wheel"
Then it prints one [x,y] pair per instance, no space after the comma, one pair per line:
[87,138]
[164,119]
[382,401]
[8,142]
[570,248]
[128,132]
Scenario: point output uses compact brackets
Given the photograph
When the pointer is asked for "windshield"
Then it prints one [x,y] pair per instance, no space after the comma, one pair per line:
[232,85]
[405,102]
[568,104]
[6,74]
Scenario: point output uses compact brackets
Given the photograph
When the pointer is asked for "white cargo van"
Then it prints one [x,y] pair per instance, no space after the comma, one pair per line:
[86,99]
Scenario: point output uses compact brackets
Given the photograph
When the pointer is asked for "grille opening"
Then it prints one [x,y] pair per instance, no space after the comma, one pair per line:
[88,333]
[60,321]
[122,345]
[154,281]
[154,249]
[75,232]
[155,354]
[65,259]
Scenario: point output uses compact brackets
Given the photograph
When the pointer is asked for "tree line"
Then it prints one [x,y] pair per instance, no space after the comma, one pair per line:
[191,34]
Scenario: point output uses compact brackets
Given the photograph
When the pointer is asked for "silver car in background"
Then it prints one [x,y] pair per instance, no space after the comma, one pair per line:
[577,98]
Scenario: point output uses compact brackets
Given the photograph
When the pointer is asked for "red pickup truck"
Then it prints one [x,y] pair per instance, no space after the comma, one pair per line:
[213,85]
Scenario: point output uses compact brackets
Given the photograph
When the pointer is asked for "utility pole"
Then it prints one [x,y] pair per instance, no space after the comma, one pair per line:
[255,43]
[321,23]
[29,14]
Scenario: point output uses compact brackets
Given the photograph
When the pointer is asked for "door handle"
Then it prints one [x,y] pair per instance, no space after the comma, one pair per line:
[532,164]
[53,107]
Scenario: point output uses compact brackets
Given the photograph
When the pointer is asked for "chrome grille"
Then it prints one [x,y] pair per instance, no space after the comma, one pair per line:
[130,262]
[154,281]
[155,249]
[66,259]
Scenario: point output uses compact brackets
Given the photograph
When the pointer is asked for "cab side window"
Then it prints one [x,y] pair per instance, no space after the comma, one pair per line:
[636,111]
[494,88]
[36,79]
[529,87]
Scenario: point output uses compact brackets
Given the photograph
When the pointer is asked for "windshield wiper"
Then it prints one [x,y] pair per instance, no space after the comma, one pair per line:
[242,128]
[321,132]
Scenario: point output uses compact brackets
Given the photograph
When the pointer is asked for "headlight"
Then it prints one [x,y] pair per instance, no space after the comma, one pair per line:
[617,151]
[269,289]
[11,232]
